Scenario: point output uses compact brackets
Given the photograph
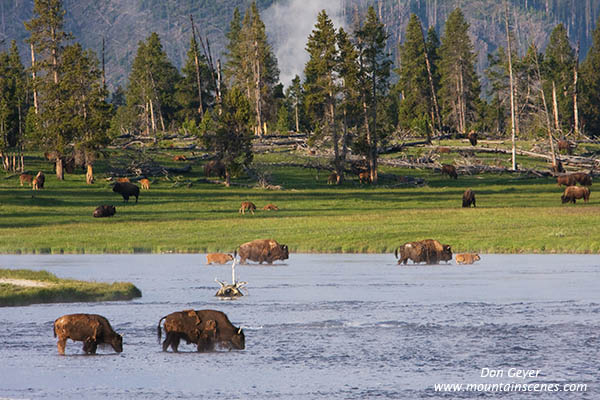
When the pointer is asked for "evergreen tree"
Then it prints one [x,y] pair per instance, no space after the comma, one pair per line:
[374,71]
[558,65]
[590,76]
[233,67]
[230,136]
[187,88]
[321,86]
[459,92]
[295,94]
[413,81]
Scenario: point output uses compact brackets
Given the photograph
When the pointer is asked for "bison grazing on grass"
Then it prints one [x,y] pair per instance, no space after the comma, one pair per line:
[428,251]
[218,258]
[567,180]
[25,178]
[38,181]
[205,328]
[573,193]
[263,250]
[468,198]
[582,178]
[145,183]
[91,329]
[449,170]
[127,190]
[104,211]
[467,258]
[247,206]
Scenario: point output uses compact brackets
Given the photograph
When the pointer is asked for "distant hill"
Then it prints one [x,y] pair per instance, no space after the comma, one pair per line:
[123,23]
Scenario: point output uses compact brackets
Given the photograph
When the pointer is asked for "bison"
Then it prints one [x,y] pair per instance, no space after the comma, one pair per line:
[122,180]
[104,211]
[565,146]
[145,183]
[429,251]
[214,167]
[271,207]
[449,170]
[205,328]
[23,178]
[582,178]
[218,258]
[573,193]
[38,181]
[468,198]
[127,190]
[247,206]
[91,329]
[443,149]
[567,180]
[263,250]
[467,258]
[364,177]
[180,157]
[472,136]
[332,179]
[557,168]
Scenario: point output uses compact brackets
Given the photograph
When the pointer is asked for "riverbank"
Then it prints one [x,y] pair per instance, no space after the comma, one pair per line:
[24,287]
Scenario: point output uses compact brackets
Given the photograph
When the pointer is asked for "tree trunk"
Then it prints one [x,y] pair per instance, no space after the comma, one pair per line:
[227,177]
[297,122]
[555,105]
[512,94]
[197,64]
[33,77]
[152,117]
[435,115]
[548,124]
[60,172]
[575,109]
[257,95]
[89,176]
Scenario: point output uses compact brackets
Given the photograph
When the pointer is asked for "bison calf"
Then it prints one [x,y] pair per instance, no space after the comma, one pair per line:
[218,258]
[271,207]
[91,329]
[127,190]
[468,198]
[145,183]
[364,177]
[332,179]
[449,170]
[25,178]
[247,206]
[38,181]
[573,193]
[104,211]
[467,258]
[180,157]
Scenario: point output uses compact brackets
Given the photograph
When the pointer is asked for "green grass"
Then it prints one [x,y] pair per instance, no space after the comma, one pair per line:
[514,214]
[59,290]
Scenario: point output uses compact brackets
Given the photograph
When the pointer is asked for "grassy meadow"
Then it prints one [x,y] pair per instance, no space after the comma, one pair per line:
[59,290]
[515,213]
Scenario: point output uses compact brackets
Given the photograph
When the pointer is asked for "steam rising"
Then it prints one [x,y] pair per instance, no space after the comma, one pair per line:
[289,23]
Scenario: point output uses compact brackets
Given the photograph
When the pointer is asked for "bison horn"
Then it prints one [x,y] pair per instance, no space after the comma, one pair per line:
[239,330]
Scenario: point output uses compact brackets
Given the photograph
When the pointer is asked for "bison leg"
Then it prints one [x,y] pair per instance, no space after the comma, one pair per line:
[90,346]
[61,344]
[136,198]
[125,198]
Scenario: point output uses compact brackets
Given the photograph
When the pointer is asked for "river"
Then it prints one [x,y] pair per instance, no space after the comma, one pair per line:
[322,326]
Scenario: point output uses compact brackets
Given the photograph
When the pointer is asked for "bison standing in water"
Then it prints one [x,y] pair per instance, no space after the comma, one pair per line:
[91,329]
[127,190]
[263,250]
[205,328]
[429,251]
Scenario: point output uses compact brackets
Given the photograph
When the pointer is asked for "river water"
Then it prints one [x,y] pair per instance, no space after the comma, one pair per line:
[334,326]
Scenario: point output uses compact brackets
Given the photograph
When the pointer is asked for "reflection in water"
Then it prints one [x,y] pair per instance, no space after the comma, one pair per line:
[319,327]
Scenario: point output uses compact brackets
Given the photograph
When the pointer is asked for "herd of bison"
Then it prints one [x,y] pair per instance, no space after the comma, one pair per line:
[208,329]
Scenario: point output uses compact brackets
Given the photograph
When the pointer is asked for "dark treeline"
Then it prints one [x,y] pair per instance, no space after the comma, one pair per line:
[352,98]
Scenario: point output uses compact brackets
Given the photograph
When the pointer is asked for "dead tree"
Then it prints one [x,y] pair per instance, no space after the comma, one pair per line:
[512,92]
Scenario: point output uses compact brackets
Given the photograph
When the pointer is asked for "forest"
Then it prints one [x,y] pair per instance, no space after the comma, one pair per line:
[354,96]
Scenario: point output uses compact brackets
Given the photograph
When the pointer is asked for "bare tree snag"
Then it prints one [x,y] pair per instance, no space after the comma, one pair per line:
[512,92]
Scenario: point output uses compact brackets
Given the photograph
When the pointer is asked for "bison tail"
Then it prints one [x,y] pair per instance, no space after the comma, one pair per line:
[54,328]
[159,330]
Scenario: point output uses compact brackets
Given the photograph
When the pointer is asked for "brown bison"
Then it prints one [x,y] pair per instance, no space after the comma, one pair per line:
[582,178]
[573,193]
[263,250]
[429,251]
[467,258]
[472,136]
[443,149]
[122,180]
[567,180]
[91,329]
[247,206]
[449,170]
[333,178]
[468,198]
[180,157]
[364,177]
[218,258]
[145,183]
[271,207]
[214,168]
[104,211]
[38,181]
[127,190]
[565,146]
[25,178]
[205,328]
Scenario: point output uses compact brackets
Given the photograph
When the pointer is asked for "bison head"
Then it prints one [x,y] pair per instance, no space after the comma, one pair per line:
[117,343]
[238,340]
[285,254]
[446,253]
[564,199]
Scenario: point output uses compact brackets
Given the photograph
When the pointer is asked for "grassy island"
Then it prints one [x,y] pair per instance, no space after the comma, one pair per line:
[23,287]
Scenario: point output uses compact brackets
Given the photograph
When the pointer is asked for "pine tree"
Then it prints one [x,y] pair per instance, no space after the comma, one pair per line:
[374,63]
[590,77]
[295,94]
[187,88]
[321,86]
[233,68]
[559,60]
[413,81]
[459,92]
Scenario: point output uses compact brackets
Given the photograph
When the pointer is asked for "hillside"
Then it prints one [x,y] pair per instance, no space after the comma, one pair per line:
[123,23]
